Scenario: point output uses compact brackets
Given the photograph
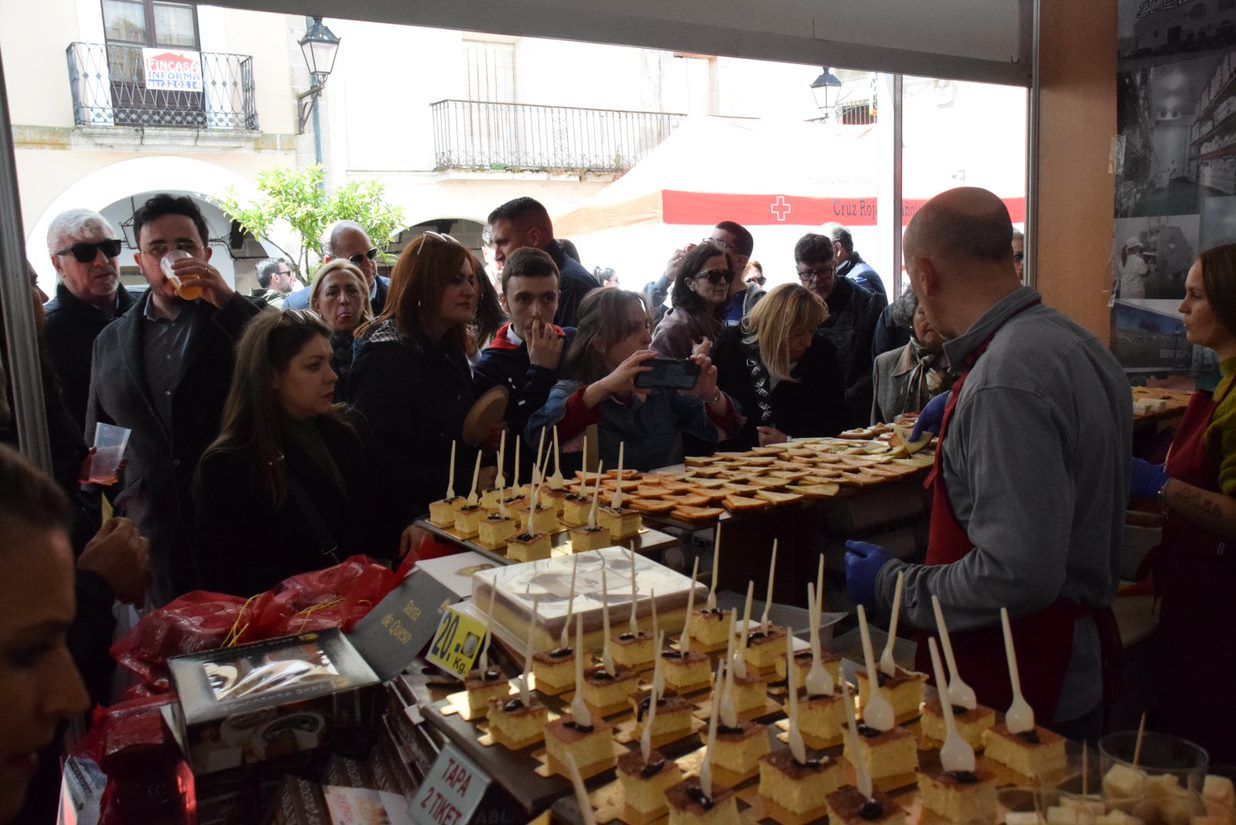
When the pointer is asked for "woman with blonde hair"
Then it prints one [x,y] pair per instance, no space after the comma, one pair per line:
[340,296]
[411,379]
[782,373]
[285,488]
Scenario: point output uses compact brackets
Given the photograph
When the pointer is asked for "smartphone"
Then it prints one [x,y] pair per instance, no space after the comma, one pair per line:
[668,373]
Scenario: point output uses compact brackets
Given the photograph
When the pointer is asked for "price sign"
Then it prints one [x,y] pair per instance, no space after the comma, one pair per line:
[451,792]
[456,643]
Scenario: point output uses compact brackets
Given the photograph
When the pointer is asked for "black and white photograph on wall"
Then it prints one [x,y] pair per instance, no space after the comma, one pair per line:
[1150,30]
[1218,222]
[1177,127]
[1151,256]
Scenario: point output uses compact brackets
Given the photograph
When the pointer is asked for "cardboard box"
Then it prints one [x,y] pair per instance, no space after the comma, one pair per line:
[270,699]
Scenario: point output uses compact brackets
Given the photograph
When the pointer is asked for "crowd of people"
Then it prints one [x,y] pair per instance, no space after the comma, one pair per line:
[279,432]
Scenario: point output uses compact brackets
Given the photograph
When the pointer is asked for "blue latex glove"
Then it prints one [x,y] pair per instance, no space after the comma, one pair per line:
[1147,479]
[931,416]
[862,564]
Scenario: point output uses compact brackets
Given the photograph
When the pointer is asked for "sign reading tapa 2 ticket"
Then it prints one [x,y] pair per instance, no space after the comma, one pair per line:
[457,643]
[399,627]
[451,792]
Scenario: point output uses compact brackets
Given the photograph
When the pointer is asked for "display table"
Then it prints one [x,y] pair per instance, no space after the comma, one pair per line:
[648,542]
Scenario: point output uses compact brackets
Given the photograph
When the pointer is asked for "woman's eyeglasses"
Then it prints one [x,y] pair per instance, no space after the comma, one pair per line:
[439,236]
[87,252]
[360,257]
[716,276]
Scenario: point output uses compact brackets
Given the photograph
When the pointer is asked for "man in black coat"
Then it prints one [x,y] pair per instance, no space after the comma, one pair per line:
[853,313]
[163,371]
[524,222]
[83,249]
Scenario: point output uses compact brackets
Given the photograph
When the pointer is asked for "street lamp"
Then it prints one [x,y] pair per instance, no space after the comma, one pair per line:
[320,45]
[821,89]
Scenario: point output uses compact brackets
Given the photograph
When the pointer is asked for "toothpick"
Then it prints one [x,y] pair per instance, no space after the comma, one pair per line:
[476,474]
[616,501]
[584,458]
[581,792]
[515,481]
[579,709]
[596,494]
[632,623]
[1137,748]
[525,695]
[566,625]
[819,584]
[716,558]
[450,479]
[684,641]
[710,744]
[772,571]
[500,481]
[489,615]
[658,676]
[607,658]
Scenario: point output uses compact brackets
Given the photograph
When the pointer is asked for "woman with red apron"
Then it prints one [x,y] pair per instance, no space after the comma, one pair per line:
[1194,574]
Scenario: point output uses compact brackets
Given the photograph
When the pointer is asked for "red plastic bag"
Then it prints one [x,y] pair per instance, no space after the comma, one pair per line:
[194,622]
[338,596]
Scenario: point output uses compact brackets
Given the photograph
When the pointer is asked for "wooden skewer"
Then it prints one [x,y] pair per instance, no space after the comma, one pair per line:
[1141,732]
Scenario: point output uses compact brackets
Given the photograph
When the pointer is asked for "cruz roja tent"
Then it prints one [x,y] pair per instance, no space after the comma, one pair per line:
[779,179]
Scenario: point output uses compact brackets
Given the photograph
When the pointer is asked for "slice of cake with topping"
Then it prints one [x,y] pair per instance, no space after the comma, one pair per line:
[591,745]
[846,806]
[959,796]
[483,685]
[554,669]
[518,724]
[528,547]
[884,753]
[903,690]
[1036,753]
[798,787]
[644,783]
[689,805]
[970,723]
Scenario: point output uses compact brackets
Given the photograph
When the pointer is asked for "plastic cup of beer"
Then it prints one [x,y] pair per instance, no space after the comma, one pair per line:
[109,445]
[187,292]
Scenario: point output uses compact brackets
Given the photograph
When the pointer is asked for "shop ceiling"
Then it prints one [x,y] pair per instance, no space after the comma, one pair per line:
[988,41]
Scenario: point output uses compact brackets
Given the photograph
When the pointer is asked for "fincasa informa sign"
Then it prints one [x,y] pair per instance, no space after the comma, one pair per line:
[173,70]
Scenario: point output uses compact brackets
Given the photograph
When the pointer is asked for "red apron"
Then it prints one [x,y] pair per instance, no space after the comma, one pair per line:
[1196,578]
[1043,640]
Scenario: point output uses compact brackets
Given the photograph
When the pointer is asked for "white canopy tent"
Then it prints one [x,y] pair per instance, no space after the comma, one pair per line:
[980,40]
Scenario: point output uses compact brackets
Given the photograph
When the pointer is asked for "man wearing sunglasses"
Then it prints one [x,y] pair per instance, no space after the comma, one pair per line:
[349,240]
[83,248]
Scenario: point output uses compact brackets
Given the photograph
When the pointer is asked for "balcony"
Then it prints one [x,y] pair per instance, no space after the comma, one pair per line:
[109,87]
[517,137]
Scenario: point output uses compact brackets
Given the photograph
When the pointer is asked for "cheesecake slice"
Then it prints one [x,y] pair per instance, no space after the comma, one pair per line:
[589,538]
[644,783]
[796,787]
[688,805]
[468,519]
[525,547]
[763,648]
[673,714]
[622,522]
[846,806]
[482,687]
[750,693]
[554,500]
[442,512]
[602,690]
[591,746]
[543,519]
[970,724]
[686,673]
[709,627]
[575,509]
[884,753]
[903,690]
[738,749]
[633,650]
[822,718]
[491,497]
[519,724]
[495,530]
[554,670]
[959,796]
[802,662]
[1035,754]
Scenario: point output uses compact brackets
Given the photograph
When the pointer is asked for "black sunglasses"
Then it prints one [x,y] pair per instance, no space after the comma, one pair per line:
[716,276]
[359,257]
[87,252]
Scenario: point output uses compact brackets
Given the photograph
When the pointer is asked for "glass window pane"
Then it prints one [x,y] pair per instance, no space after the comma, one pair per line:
[124,21]
[173,24]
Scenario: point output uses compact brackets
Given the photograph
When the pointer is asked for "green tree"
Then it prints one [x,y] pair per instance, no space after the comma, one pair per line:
[298,199]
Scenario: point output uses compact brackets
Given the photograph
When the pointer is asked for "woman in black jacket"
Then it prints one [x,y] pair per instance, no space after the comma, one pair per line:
[285,489]
[783,374]
[411,380]
[340,296]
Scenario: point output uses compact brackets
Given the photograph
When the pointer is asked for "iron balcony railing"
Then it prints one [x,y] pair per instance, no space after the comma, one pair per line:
[108,82]
[520,137]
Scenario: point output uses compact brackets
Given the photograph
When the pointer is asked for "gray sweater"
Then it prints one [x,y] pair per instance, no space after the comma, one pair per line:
[1036,463]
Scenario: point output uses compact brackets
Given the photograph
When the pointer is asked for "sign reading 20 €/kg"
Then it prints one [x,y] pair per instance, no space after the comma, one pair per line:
[456,642]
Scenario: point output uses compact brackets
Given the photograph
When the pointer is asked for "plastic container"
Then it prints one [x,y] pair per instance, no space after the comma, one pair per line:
[188,293]
[1165,788]
[109,446]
